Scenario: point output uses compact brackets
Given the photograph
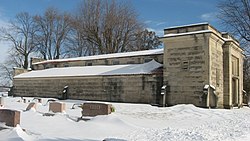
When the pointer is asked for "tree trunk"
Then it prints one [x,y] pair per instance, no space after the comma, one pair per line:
[26,62]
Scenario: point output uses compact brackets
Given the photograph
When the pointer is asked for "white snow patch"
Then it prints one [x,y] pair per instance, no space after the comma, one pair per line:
[130,122]
[15,134]
[145,68]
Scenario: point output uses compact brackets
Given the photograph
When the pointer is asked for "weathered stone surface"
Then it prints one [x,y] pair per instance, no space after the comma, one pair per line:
[199,55]
[57,107]
[18,71]
[124,88]
[95,109]
[10,117]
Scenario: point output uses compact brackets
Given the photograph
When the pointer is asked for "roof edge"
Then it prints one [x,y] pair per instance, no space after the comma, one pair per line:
[104,56]
[187,33]
[188,25]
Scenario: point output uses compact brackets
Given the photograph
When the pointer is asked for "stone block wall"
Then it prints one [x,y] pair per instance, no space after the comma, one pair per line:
[108,61]
[199,55]
[18,71]
[216,70]
[232,97]
[125,88]
[186,68]
[227,76]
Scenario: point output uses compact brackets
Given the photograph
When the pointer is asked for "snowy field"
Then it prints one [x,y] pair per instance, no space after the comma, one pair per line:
[132,122]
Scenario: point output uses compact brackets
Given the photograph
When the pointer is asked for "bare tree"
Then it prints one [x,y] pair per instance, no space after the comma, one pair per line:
[6,74]
[21,33]
[14,59]
[76,46]
[108,26]
[53,30]
[235,16]
[76,43]
[147,40]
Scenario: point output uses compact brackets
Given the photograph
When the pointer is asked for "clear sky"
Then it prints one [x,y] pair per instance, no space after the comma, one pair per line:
[156,14]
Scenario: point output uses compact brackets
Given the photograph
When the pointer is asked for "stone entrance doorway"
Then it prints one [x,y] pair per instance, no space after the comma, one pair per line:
[235,92]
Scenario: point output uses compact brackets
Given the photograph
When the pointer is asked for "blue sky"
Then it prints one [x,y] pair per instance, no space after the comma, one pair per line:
[156,14]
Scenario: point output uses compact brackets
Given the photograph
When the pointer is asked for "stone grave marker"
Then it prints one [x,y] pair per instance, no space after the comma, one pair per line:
[10,117]
[31,105]
[57,107]
[94,109]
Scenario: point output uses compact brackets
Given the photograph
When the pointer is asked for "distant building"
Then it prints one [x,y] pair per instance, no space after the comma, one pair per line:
[198,65]
[121,77]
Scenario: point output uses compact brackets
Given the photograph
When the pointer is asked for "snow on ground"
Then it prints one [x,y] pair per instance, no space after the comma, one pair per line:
[133,122]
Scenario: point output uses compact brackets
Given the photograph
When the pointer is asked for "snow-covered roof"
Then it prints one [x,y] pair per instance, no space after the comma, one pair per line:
[145,68]
[106,56]
[187,33]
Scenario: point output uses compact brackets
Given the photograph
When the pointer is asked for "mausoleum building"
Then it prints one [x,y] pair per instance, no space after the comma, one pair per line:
[198,65]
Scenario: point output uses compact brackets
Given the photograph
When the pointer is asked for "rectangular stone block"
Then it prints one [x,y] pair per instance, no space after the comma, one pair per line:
[10,117]
[94,109]
[57,107]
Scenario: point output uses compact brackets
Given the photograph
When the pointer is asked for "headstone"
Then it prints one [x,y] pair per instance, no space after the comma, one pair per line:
[57,107]
[94,109]
[39,100]
[31,105]
[10,117]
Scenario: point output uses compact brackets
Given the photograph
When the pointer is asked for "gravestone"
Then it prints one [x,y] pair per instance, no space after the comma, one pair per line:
[31,105]
[94,109]
[39,100]
[10,117]
[57,107]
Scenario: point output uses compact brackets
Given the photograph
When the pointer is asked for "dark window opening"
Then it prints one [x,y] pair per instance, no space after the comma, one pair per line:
[185,65]
[89,64]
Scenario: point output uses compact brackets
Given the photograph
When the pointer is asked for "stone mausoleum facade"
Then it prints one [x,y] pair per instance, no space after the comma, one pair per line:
[198,65]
